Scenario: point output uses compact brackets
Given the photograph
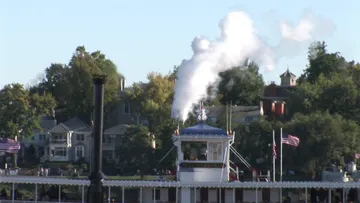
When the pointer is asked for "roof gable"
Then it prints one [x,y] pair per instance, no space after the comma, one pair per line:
[61,128]
[75,124]
[117,130]
[287,74]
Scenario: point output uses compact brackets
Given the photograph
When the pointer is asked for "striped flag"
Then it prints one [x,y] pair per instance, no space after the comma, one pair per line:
[274,150]
[290,140]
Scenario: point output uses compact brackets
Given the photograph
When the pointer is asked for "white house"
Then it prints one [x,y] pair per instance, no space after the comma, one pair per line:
[39,138]
[68,141]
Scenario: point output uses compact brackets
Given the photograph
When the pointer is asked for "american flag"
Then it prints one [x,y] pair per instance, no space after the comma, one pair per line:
[290,140]
[274,150]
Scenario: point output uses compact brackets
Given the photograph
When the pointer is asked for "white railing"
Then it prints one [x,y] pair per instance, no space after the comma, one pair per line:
[235,171]
[28,201]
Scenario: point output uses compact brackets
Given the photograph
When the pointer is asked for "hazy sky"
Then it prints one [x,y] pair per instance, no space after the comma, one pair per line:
[143,36]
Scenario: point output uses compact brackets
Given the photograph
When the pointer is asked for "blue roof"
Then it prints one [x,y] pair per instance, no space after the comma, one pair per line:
[203,129]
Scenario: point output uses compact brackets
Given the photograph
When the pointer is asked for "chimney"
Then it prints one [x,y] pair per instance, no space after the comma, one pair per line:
[121,84]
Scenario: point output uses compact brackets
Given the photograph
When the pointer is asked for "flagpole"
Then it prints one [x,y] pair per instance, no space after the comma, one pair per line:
[274,157]
[355,158]
[281,154]
[281,160]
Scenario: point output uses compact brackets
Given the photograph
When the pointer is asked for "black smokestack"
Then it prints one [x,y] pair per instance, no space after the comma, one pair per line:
[96,193]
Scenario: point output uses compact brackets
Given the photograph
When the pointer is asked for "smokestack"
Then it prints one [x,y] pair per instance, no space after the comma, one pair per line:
[96,176]
[121,84]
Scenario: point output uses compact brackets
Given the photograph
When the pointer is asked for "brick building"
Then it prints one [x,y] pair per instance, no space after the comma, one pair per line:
[274,100]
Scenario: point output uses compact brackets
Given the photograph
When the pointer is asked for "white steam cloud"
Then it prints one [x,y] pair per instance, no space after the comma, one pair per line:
[237,43]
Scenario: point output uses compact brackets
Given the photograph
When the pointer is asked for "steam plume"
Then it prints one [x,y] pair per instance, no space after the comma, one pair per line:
[238,42]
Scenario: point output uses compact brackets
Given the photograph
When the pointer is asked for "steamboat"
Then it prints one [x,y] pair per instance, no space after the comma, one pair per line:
[205,174]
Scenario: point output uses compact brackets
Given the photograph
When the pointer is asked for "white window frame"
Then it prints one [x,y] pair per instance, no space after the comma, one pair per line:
[215,149]
[78,149]
[64,149]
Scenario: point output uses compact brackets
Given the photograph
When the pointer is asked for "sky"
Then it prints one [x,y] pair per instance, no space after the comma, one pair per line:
[141,36]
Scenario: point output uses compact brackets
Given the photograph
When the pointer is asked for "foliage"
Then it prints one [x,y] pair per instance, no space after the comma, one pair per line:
[323,110]
[341,91]
[72,85]
[324,139]
[241,85]
[154,98]
[21,110]
[135,148]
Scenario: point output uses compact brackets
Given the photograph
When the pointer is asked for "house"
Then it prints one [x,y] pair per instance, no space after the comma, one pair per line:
[112,136]
[240,114]
[115,135]
[38,140]
[67,142]
[275,95]
[126,111]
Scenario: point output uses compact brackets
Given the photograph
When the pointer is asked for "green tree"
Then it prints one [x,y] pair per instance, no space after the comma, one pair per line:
[136,149]
[322,62]
[154,99]
[335,93]
[21,111]
[72,84]
[324,139]
[241,85]
[254,143]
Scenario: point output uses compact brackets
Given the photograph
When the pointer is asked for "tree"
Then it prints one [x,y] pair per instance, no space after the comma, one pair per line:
[322,62]
[72,84]
[324,139]
[136,148]
[241,85]
[254,142]
[55,82]
[335,93]
[20,111]
[154,99]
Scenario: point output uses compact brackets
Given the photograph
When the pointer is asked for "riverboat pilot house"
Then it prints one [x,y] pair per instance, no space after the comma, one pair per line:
[203,156]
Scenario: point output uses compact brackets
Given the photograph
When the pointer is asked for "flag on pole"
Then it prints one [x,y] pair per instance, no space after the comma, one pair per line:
[274,149]
[290,140]
[357,156]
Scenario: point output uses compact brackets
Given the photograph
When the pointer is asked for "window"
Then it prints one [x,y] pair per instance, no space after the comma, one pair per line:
[59,137]
[157,194]
[194,151]
[215,151]
[60,151]
[127,107]
[109,139]
[80,137]
[79,151]
[42,137]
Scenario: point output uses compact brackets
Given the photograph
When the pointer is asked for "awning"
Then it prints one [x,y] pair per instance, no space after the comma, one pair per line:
[9,145]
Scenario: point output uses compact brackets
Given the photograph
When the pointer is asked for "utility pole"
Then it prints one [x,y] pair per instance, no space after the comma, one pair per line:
[96,193]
